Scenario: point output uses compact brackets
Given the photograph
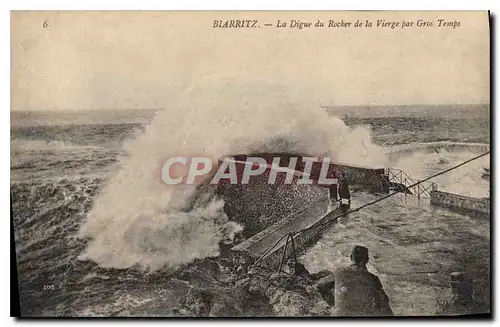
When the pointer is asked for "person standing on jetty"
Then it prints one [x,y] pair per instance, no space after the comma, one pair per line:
[344,193]
[357,291]
[333,196]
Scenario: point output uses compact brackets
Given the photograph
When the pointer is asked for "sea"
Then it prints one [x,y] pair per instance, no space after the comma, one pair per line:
[96,231]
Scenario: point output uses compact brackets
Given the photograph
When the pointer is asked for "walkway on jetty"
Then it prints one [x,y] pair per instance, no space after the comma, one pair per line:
[258,244]
[305,226]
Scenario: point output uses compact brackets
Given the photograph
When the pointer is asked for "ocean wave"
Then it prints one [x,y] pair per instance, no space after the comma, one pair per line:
[135,212]
[22,145]
[432,146]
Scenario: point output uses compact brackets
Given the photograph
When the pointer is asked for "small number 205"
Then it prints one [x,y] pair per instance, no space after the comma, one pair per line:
[49,287]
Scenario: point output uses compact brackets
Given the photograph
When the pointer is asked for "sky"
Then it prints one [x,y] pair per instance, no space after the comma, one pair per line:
[140,60]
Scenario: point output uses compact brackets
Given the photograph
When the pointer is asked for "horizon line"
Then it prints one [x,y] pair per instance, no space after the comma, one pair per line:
[322,106]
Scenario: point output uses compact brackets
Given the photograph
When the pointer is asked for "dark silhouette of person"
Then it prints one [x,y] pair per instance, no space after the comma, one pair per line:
[357,291]
[333,193]
[344,192]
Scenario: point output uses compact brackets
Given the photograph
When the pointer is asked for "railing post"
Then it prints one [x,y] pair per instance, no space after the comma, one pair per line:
[402,182]
[293,248]
[284,254]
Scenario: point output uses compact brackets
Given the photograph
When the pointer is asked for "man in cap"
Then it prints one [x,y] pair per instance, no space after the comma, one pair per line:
[357,291]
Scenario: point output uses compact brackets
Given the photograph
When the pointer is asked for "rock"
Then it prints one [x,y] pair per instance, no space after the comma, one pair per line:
[197,303]
[213,268]
[258,284]
[287,303]
[242,283]
[233,287]
[225,247]
[320,274]
[295,296]
[224,305]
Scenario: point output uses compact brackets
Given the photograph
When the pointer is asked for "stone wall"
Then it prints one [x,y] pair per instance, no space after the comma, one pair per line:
[460,203]
[260,205]
[258,244]
[365,177]
[302,241]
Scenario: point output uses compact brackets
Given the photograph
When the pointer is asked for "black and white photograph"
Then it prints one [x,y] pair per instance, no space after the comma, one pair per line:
[250,164]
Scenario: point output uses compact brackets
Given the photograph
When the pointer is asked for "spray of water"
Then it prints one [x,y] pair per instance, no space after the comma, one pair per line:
[136,219]
[466,180]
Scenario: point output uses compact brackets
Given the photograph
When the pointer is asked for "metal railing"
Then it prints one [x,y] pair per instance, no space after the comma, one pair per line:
[400,181]
[397,174]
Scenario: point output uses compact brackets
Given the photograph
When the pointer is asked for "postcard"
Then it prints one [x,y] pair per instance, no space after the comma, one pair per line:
[251,163]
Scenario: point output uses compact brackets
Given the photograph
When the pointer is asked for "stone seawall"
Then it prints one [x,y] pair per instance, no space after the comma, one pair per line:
[460,203]
[367,178]
[302,241]
[258,244]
